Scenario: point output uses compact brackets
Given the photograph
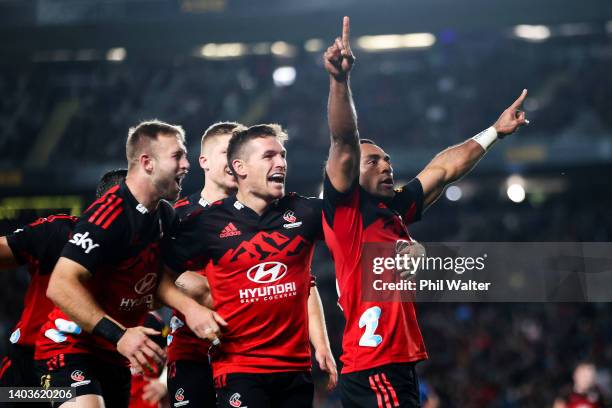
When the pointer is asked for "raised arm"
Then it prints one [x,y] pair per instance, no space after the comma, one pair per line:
[319,338]
[454,162]
[343,163]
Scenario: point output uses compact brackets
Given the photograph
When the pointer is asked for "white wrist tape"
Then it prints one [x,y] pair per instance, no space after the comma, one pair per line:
[486,138]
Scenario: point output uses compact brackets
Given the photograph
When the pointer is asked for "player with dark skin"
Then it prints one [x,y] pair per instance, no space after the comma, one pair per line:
[379,364]
[347,158]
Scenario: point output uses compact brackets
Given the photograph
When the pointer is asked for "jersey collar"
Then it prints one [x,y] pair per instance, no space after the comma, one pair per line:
[233,202]
[131,200]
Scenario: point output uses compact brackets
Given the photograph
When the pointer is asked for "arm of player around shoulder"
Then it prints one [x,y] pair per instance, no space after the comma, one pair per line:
[196,287]
[204,322]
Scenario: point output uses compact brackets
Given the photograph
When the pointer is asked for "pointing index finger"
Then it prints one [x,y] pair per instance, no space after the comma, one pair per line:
[346,31]
[520,99]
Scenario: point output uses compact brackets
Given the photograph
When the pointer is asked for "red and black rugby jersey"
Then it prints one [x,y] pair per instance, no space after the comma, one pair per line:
[258,268]
[38,245]
[117,240]
[183,344]
[376,333]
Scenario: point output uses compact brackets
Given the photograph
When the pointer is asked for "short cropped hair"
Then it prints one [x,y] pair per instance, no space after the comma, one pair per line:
[241,138]
[110,179]
[366,141]
[219,129]
[140,135]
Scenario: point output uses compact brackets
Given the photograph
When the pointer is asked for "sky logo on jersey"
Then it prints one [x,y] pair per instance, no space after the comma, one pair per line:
[267,272]
[230,230]
[82,241]
[234,400]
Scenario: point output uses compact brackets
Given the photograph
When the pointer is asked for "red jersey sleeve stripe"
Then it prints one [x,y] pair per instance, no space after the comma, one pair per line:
[6,363]
[112,218]
[109,210]
[409,216]
[181,203]
[104,197]
[62,217]
[107,201]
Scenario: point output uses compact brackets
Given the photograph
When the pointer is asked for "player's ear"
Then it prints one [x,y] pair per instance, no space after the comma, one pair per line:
[204,162]
[239,167]
[146,162]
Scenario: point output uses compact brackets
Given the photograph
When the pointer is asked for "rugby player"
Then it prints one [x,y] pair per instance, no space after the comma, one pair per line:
[584,393]
[37,245]
[382,340]
[189,373]
[109,276]
[257,247]
[190,379]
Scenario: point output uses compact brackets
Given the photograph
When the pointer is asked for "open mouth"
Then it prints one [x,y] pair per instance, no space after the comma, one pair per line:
[277,178]
[179,179]
[387,182]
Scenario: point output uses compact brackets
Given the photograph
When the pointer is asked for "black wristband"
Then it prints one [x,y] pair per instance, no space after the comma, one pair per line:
[109,330]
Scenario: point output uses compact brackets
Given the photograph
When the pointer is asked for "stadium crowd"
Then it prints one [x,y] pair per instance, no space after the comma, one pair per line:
[421,99]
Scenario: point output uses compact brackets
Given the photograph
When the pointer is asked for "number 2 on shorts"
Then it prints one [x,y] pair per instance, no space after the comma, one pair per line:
[369,319]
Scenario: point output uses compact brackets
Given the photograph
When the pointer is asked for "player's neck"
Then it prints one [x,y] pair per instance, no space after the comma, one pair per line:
[143,191]
[255,203]
[213,192]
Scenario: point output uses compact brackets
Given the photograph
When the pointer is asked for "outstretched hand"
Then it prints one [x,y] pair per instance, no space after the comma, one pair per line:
[512,118]
[339,59]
